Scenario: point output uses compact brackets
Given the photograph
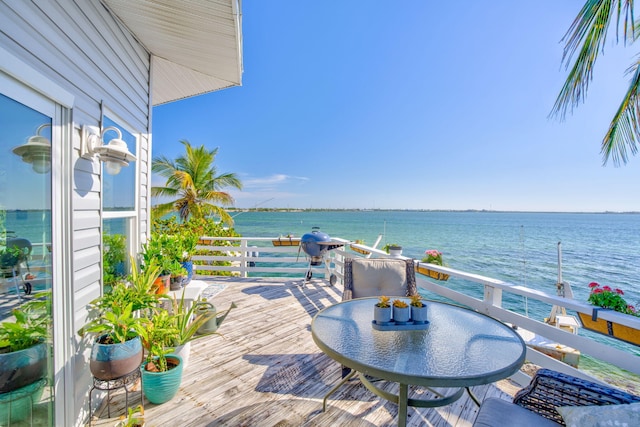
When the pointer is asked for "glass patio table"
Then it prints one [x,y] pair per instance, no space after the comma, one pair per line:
[458,349]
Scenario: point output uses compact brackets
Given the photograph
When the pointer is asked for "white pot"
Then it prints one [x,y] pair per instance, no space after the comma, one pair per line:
[183,351]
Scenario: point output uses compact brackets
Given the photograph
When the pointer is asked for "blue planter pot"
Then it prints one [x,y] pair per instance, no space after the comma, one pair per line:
[21,368]
[187,265]
[110,361]
[161,387]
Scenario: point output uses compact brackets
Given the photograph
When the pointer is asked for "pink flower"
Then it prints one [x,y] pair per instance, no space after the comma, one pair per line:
[606,288]
[593,285]
[631,308]
[598,291]
[619,291]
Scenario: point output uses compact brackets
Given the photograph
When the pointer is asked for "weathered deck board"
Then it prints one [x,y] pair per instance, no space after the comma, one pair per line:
[266,370]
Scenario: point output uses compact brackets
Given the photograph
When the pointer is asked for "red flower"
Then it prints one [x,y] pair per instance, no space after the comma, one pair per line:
[619,291]
[606,288]
[593,285]
[598,291]
[631,308]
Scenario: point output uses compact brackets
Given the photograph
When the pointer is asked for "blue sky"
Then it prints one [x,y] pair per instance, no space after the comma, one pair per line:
[409,105]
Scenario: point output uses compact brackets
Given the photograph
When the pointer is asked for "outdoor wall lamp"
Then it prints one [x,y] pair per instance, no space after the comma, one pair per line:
[36,151]
[115,154]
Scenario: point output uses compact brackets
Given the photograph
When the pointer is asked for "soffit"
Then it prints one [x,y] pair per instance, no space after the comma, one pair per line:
[196,45]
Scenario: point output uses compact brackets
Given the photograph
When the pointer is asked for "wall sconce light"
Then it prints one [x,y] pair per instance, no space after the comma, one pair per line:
[36,151]
[115,154]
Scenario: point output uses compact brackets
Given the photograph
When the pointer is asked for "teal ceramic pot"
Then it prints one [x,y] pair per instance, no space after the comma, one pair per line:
[20,403]
[23,367]
[161,387]
[110,361]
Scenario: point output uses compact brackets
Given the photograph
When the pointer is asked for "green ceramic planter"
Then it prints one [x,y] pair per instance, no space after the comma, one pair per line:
[161,387]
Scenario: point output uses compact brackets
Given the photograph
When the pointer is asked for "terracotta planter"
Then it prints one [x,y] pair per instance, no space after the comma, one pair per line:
[612,329]
[162,284]
[433,274]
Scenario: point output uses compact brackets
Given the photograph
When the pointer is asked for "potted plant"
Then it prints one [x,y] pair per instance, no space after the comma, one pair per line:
[401,311]
[612,299]
[23,344]
[114,318]
[161,371]
[134,418]
[393,249]
[432,256]
[192,321]
[188,241]
[418,309]
[382,310]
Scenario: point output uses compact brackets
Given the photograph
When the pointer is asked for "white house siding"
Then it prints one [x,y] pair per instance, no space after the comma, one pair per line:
[82,48]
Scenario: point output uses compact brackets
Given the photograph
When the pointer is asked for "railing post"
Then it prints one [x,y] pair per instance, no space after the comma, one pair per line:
[243,260]
[492,297]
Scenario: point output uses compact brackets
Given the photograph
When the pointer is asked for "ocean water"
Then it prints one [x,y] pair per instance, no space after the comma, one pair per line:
[519,248]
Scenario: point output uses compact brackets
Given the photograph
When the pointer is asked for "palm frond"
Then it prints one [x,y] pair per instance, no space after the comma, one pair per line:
[623,131]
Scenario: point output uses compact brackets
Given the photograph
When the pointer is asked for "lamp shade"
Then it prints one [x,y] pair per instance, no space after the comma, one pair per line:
[36,151]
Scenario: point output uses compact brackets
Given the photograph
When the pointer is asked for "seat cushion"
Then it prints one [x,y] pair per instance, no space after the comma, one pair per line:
[375,277]
[597,416]
[496,412]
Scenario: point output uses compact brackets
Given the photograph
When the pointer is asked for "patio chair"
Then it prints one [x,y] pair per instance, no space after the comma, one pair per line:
[370,277]
[536,405]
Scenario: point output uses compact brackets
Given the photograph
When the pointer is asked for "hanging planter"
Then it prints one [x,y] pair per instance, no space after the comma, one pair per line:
[286,241]
[611,329]
[432,273]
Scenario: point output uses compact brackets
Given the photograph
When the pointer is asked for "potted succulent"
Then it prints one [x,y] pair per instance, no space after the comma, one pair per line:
[432,256]
[382,310]
[23,344]
[418,309]
[612,299]
[401,311]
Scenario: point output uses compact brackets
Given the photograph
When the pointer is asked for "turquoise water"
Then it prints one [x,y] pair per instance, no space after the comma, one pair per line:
[520,248]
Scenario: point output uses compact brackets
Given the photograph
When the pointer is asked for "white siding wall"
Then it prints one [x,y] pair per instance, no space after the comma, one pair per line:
[82,48]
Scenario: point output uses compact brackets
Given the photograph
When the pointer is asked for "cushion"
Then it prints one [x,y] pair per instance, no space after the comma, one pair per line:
[496,412]
[605,415]
[375,277]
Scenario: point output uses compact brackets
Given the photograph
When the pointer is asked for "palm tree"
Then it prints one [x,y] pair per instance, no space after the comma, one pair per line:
[193,184]
[586,37]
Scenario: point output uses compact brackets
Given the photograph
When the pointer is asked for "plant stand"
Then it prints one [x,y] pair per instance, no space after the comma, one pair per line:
[115,384]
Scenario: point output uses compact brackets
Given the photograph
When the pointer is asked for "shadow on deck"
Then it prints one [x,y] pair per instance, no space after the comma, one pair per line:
[265,370]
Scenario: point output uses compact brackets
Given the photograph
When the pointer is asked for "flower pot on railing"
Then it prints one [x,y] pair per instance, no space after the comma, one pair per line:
[611,329]
[286,241]
[422,269]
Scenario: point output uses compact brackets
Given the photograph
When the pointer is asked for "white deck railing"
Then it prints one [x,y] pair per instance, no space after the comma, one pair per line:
[257,257]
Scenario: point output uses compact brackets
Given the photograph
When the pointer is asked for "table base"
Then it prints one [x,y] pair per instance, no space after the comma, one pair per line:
[401,399]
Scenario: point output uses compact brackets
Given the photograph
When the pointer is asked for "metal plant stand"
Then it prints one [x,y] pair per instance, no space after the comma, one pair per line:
[115,384]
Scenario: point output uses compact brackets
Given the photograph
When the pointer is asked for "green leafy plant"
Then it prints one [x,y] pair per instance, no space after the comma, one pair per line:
[134,418]
[432,256]
[416,300]
[117,325]
[10,256]
[159,334]
[391,246]
[606,297]
[32,324]
[400,304]
[383,302]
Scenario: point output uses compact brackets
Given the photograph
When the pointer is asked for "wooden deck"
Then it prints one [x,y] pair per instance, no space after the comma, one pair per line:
[266,370]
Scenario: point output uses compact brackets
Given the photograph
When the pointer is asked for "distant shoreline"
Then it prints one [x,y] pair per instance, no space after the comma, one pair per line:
[417,210]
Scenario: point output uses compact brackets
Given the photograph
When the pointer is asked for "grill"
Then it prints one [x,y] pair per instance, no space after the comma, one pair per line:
[316,245]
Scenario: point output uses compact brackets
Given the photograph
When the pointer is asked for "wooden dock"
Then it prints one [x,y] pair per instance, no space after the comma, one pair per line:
[265,370]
